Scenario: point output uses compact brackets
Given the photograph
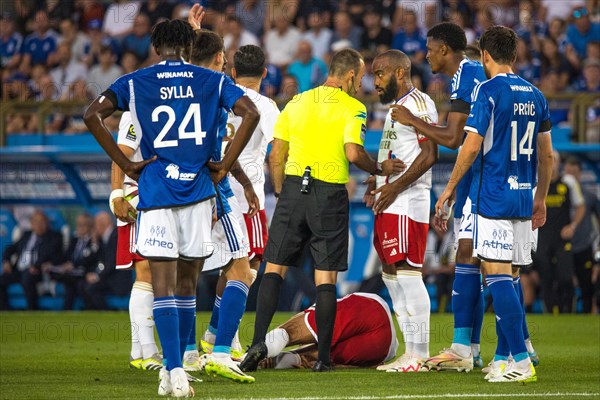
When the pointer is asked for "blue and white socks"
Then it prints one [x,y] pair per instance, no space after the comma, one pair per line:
[466,293]
[233,305]
[166,318]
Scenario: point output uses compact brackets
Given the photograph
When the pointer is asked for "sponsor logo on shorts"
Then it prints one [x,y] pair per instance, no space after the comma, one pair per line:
[153,242]
[495,244]
[389,243]
[158,231]
[174,173]
[393,252]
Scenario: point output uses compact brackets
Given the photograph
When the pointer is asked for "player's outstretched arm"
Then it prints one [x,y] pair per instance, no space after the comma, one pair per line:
[100,109]
[245,108]
[466,157]
[450,136]
[545,160]
[388,193]
[277,157]
[358,156]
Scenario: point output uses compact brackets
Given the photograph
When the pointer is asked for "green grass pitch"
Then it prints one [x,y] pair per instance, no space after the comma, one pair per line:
[84,356]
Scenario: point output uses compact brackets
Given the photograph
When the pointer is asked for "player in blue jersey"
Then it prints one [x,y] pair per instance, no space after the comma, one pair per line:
[174,106]
[508,138]
[446,44]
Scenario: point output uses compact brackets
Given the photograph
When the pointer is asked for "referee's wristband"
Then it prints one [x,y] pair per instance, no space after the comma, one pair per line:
[115,194]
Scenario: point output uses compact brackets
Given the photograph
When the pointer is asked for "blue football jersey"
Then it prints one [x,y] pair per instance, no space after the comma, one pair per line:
[508,112]
[175,107]
[470,73]
[223,187]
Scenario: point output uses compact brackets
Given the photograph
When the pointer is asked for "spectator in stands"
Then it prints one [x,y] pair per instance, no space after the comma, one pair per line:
[76,39]
[22,261]
[528,64]
[282,41]
[67,72]
[552,60]
[308,70]
[237,36]
[318,35]
[89,10]
[557,32]
[344,29]
[289,88]
[581,32]
[591,84]
[97,40]
[119,18]
[375,36]
[410,40]
[554,256]
[585,237]
[252,13]
[59,10]
[106,280]
[484,19]
[560,9]
[438,265]
[138,41]
[40,45]
[271,83]
[129,62]
[157,10]
[41,84]
[529,28]
[82,257]
[105,72]
[458,17]
[10,43]
[559,108]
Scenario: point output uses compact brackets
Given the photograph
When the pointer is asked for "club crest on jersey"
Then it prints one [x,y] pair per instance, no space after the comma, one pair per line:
[174,173]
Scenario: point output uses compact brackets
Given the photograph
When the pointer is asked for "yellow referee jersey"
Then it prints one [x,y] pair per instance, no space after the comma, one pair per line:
[317,123]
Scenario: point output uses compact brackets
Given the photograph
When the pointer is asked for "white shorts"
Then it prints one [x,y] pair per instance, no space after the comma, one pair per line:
[171,233]
[229,239]
[463,227]
[502,240]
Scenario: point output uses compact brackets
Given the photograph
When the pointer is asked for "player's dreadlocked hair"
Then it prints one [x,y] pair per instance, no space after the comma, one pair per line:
[249,61]
[450,34]
[172,33]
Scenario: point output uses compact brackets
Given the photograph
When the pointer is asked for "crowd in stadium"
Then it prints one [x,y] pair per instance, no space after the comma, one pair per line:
[72,50]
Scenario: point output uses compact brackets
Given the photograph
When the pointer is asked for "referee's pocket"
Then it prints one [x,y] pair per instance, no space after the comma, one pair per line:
[334,210]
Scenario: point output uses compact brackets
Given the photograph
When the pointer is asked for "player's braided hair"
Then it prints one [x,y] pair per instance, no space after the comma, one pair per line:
[249,61]
[501,43]
[450,34]
[173,34]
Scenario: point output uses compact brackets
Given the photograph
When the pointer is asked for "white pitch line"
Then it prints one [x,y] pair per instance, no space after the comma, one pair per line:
[427,396]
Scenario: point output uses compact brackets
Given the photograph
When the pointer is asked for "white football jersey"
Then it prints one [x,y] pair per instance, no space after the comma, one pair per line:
[402,142]
[252,158]
[128,137]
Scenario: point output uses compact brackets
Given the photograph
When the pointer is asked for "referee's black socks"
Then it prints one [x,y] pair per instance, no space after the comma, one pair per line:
[325,310]
[266,304]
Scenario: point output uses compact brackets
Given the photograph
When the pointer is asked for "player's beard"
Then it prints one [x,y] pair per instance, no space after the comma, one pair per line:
[487,72]
[390,91]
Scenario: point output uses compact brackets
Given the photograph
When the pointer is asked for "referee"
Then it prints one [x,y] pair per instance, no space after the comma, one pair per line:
[319,132]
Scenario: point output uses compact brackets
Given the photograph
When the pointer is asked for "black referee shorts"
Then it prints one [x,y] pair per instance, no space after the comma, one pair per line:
[319,218]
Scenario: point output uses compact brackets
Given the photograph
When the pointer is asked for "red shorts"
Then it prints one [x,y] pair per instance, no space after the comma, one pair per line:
[126,255]
[399,238]
[363,334]
[257,233]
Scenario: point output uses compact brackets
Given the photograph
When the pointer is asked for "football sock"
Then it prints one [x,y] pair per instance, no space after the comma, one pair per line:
[142,323]
[209,337]
[529,346]
[288,360]
[418,308]
[466,291]
[519,291]
[186,308]
[509,315]
[276,341]
[266,304]
[477,320]
[254,274]
[236,345]
[502,349]
[214,317]
[191,343]
[399,305]
[166,318]
[325,311]
[233,305]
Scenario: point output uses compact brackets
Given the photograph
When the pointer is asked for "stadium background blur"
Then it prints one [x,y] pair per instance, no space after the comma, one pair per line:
[58,55]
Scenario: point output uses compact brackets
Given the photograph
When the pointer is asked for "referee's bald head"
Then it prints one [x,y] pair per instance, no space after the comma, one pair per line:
[396,59]
[344,61]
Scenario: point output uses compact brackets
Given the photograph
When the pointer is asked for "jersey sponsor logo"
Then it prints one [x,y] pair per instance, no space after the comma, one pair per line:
[173,173]
[513,183]
[130,133]
[521,88]
[178,74]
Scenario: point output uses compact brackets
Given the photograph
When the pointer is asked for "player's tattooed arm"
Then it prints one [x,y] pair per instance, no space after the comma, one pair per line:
[388,193]
[94,117]
[464,161]
[450,136]
[245,108]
